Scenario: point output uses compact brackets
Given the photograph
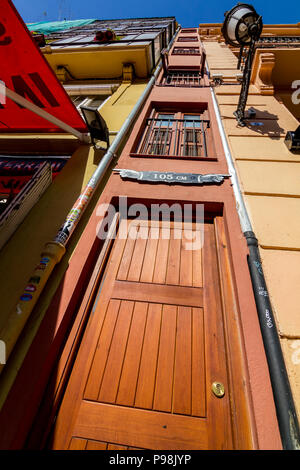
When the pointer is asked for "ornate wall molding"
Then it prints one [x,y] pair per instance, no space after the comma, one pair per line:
[262,76]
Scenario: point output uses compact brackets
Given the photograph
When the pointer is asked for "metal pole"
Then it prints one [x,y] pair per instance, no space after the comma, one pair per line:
[240,112]
[286,412]
[240,204]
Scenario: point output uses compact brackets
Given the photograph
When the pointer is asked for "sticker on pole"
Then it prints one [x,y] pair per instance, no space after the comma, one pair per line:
[25,71]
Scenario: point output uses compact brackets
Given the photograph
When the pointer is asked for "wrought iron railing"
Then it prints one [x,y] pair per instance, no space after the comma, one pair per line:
[188,30]
[168,137]
[284,40]
[269,42]
[186,51]
[182,79]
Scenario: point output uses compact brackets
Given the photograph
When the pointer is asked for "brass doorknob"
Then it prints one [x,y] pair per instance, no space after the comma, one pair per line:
[218,389]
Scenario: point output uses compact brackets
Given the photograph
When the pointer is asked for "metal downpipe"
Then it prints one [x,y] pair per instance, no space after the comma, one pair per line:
[283,398]
[240,204]
[285,408]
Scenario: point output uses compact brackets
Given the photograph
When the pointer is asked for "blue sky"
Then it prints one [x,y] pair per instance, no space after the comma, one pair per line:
[187,12]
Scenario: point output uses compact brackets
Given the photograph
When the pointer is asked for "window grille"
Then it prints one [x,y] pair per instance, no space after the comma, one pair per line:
[187,38]
[189,30]
[182,79]
[170,136]
[186,51]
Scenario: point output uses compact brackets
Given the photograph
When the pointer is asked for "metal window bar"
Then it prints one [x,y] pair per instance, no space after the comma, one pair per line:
[175,151]
[189,30]
[162,137]
[186,51]
[187,39]
[204,138]
[157,137]
[149,132]
[192,140]
[183,79]
[175,137]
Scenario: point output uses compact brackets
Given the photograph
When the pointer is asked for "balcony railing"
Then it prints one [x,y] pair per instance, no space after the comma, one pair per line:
[185,138]
[188,30]
[182,79]
[186,51]
[273,41]
[187,39]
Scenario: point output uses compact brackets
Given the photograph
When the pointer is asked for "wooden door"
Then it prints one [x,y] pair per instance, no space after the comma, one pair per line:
[155,343]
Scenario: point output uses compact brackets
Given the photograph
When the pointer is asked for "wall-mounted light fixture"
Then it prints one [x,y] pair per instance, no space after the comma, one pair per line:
[242,27]
[292,140]
[96,124]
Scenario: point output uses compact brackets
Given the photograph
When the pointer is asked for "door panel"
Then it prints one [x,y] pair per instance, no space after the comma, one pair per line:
[140,428]
[154,345]
[84,444]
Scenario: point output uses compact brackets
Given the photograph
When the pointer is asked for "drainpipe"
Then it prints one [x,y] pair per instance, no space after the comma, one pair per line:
[285,407]
[55,250]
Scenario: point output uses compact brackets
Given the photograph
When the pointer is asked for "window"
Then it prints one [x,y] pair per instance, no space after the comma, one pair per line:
[192,142]
[77,100]
[189,30]
[176,135]
[186,51]
[187,38]
[90,101]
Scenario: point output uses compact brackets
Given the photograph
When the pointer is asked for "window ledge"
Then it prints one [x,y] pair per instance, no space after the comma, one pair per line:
[177,157]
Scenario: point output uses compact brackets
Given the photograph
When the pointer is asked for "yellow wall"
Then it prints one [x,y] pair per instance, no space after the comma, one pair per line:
[103,61]
[117,108]
[270,180]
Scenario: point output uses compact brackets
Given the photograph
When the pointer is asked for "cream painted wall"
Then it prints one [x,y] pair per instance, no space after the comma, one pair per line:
[270,179]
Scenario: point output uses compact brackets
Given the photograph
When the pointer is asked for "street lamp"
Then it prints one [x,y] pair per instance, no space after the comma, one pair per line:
[242,27]
[292,140]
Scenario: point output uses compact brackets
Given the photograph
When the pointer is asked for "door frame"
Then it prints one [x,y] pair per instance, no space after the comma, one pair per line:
[240,396]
